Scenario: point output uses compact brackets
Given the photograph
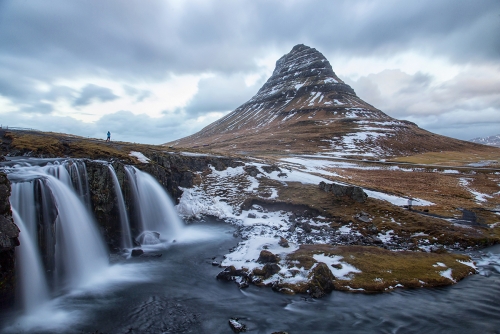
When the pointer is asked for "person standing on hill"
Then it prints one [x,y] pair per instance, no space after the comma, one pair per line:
[109,136]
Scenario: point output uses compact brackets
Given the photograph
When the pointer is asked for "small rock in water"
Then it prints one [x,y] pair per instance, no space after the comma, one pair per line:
[215,263]
[237,326]
[149,238]
[137,252]
[252,215]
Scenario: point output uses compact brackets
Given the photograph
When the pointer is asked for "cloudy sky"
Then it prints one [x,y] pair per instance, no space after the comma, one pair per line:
[154,71]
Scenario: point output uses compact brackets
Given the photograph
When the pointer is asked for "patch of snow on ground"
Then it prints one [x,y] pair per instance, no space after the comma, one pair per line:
[331,80]
[396,200]
[297,176]
[419,234]
[480,197]
[468,263]
[314,165]
[228,172]
[141,157]
[191,154]
[247,252]
[440,264]
[194,202]
[386,237]
[345,268]
[447,274]
[254,184]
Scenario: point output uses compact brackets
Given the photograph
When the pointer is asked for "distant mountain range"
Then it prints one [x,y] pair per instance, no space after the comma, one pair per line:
[305,108]
[491,140]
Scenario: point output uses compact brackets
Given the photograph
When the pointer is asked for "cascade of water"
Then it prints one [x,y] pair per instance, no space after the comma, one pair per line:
[32,285]
[22,198]
[60,172]
[78,175]
[80,250]
[156,209]
[47,213]
[125,225]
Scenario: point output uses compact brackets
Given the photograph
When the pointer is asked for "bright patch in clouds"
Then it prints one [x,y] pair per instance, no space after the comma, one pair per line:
[156,98]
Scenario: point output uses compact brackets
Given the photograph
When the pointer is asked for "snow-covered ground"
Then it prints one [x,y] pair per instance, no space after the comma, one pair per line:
[141,157]
[261,229]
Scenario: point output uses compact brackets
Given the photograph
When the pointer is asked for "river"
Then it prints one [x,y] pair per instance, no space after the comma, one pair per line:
[178,293]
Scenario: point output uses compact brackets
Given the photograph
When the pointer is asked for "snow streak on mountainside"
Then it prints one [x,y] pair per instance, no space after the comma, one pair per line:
[491,140]
[304,107]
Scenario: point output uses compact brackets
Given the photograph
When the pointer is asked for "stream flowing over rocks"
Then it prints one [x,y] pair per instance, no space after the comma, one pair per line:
[132,235]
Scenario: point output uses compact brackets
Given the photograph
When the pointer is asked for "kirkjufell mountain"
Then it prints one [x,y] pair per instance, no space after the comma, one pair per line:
[305,108]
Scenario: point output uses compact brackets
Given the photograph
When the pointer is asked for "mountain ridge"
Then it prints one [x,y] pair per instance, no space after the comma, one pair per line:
[490,140]
[304,107]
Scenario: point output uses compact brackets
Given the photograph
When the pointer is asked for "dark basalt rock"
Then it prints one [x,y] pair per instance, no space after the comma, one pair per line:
[252,170]
[355,193]
[270,169]
[267,257]
[306,227]
[267,271]
[136,252]
[321,280]
[230,273]
[9,233]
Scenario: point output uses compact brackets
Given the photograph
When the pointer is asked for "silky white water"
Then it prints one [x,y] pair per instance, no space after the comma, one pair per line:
[79,252]
[156,211]
[32,285]
[126,238]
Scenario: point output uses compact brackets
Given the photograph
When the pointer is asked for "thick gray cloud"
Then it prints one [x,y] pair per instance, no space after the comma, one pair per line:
[134,38]
[132,41]
[93,93]
[466,106]
[222,93]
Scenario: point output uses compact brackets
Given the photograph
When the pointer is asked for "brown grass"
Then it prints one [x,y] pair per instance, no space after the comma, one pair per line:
[385,216]
[382,269]
[455,158]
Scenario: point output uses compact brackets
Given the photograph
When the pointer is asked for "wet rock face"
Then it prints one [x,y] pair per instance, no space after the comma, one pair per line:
[9,233]
[355,193]
[103,199]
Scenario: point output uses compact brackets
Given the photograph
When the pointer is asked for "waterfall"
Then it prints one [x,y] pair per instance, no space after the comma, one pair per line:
[47,206]
[156,211]
[80,250]
[32,285]
[61,247]
[21,194]
[124,222]
[78,174]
